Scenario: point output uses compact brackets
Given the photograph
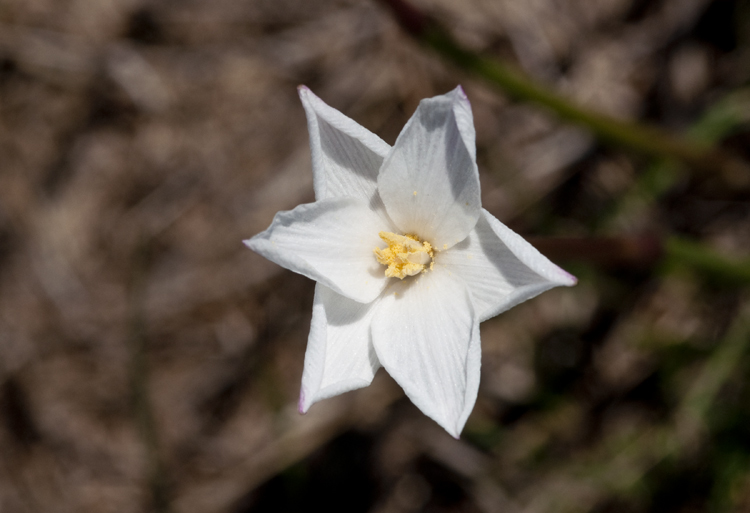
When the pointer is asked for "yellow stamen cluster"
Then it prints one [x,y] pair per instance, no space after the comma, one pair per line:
[405,255]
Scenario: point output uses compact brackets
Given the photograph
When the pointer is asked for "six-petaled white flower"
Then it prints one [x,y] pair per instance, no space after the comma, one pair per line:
[406,261]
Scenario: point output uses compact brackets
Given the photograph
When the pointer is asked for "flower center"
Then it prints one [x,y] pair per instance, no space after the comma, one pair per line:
[405,255]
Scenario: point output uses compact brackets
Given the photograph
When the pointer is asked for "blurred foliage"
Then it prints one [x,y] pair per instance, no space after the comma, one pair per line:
[149,363]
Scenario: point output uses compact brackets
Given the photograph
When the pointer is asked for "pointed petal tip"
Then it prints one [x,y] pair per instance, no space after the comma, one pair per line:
[301,403]
[254,243]
[568,279]
[455,432]
[304,92]
[559,276]
[455,95]
[458,95]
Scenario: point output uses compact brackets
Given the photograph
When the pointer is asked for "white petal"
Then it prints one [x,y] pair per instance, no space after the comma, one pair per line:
[425,335]
[500,268]
[473,372]
[429,182]
[340,356]
[346,157]
[331,242]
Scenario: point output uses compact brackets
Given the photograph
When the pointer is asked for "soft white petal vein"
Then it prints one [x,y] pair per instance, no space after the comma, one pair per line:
[422,332]
[429,182]
[329,241]
[346,156]
[500,268]
[340,356]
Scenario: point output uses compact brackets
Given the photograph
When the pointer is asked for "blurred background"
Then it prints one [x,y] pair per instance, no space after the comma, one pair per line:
[149,362]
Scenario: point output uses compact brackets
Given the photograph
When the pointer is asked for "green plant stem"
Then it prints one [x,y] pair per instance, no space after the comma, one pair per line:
[646,139]
[684,252]
[719,121]
[644,251]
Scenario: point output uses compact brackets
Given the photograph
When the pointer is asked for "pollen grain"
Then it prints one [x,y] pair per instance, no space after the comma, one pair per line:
[405,255]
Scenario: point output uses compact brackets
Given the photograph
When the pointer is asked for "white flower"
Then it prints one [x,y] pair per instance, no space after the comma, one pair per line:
[410,304]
